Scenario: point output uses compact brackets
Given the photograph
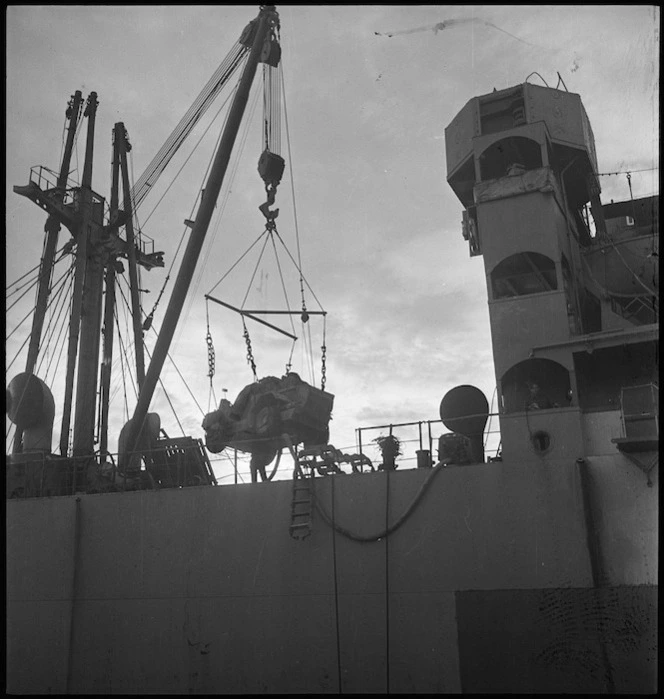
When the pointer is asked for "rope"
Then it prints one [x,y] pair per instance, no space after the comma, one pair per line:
[388,529]
[387,586]
[336,593]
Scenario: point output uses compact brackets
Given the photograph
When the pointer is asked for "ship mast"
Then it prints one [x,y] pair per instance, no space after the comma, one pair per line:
[109,302]
[52,229]
[123,149]
[267,17]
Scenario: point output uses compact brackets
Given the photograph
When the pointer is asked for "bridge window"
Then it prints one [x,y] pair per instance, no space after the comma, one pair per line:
[503,110]
[522,274]
[500,159]
[535,384]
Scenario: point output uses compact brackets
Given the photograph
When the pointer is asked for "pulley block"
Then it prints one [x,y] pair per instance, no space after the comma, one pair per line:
[271,168]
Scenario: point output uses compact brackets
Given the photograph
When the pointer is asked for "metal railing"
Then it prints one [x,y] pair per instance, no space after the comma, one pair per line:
[46,179]
[172,465]
[422,436]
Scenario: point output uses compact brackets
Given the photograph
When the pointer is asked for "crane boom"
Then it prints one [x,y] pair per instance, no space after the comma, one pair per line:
[185,126]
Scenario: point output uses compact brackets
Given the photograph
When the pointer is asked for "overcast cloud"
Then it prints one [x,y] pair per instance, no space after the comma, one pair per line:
[379,227]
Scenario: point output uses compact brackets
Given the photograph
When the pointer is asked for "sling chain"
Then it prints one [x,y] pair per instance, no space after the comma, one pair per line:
[250,354]
[210,346]
[323,368]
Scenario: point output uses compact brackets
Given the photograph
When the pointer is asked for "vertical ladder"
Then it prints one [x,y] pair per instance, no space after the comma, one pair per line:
[302,502]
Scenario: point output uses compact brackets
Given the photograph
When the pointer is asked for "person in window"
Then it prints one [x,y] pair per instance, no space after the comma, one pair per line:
[537,400]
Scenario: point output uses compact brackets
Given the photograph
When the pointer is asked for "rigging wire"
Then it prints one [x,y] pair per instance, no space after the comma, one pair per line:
[230,180]
[130,344]
[179,373]
[292,183]
[300,270]
[210,238]
[123,383]
[64,299]
[32,284]
[30,271]
[189,120]
[60,334]
[20,349]
[168,398]
[244,254]
[253,276]
[177,174]
[283,284]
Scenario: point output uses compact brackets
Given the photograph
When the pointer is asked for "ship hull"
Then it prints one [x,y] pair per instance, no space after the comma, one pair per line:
[488,585]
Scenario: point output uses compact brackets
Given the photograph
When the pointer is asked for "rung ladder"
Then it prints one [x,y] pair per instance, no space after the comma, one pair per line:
[302,503]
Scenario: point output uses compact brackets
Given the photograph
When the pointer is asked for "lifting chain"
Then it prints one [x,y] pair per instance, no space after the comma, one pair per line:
[210,346]
[323,368]
[323,349]
[250,354]
[211,356]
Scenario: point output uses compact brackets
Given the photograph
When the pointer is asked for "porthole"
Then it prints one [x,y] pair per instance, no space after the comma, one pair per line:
[541,441]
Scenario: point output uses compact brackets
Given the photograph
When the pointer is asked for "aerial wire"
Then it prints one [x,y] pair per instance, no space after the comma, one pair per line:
[122,356]
[227,188]
[170,403]
[58,296]
[179,373]
[283,284]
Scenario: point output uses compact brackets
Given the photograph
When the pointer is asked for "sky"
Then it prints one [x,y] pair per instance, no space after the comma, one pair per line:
[364,190]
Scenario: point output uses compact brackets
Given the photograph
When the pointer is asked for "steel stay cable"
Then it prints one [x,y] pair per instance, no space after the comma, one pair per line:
[244,254]
[251,281]
[123,383]
[16,281]
[177,174]
[126,349]
[131,344]
[65,305]
[188,121]
[61,297]
[32,284]
[300,270]
[247,338]
[170,403]
[30,287]
[292,181]
[227,187]
[30,313]
[283,284]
